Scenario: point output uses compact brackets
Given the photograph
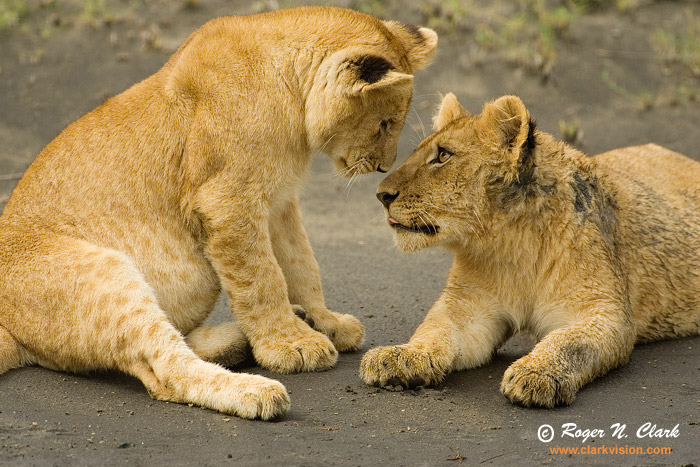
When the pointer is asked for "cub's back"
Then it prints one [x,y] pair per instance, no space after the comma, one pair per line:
[665,172]
[658,195]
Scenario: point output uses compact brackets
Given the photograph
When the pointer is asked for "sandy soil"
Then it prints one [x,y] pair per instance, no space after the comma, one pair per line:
[50,418]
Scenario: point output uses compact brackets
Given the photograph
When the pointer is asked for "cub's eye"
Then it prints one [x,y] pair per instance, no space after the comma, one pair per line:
[442,156]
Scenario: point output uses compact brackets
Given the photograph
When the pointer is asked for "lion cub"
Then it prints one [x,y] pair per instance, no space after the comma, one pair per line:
[118,239]
[589,255]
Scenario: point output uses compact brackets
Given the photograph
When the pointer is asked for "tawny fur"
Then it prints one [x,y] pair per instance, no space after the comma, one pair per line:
[589,255]
[120,236]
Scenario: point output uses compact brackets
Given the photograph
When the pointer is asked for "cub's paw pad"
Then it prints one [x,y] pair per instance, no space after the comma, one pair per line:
[399,366]
[534,386]
[348,334]
[313,352]
[416,382]
[262,398]
[301,313]
[397,384]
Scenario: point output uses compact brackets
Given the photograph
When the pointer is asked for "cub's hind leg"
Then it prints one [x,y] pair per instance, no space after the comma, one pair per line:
[225,343]
[10,351]
[83,307]
[171,371]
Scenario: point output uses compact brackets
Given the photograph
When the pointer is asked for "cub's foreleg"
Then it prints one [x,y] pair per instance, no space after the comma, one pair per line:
[457,333]
[295,257]
[599,340]
[240,249]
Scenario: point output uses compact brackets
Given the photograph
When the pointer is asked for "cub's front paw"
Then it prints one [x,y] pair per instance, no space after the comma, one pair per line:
[303,351]
[348,334]
[345,331]
[402,365]
[532,385]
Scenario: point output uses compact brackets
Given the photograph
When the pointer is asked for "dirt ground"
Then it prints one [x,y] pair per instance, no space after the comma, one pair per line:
[607,80]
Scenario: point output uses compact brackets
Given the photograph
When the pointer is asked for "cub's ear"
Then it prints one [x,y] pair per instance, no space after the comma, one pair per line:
[419,42]
[505,123]
[395,80]
[449,111]
[358,73]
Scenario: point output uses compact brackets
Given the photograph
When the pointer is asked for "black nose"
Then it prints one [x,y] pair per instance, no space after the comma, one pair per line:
[381,169]
[386,198]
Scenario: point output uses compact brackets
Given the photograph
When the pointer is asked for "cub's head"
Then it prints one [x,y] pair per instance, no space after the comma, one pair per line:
[361,94]
[463,179]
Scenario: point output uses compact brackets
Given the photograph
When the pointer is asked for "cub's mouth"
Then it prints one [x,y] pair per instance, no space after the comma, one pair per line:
[427,229]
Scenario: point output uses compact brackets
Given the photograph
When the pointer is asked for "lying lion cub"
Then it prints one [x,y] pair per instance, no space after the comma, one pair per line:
[116,242]
[589,255]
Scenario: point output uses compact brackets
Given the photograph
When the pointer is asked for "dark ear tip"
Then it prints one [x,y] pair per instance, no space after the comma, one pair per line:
[413,29]
[372,68]
[533,124]
[530,142]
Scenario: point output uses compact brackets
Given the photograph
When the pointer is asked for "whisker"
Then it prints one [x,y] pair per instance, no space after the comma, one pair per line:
[432,205]
[327,141]
[350,183]
[432,94]
[420,120]
[478,218]
[431,218]
[413,125]
[354,171]
[349,170]
[379,215]
[422,219]
[414,140]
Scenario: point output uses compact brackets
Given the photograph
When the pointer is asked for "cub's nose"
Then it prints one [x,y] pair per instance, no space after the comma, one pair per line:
[386,198]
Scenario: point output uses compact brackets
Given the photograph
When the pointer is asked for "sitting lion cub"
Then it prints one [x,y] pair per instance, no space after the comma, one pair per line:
[589,255]
[118,239]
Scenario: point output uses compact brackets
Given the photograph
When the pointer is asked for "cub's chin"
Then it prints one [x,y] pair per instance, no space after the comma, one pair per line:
[406,241]
[414,238]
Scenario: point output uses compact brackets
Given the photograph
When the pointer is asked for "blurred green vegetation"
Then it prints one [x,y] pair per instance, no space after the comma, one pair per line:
[680,44]
[44,16]
[529,33]
[12,12]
